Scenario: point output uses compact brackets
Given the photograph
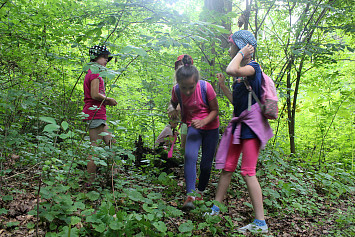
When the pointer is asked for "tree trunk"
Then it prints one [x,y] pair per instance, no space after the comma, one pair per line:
[291,119]
[221,6]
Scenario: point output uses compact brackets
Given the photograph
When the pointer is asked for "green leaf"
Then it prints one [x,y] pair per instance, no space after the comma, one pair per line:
[49,216]
[93,219]
[75,220]
[160,226]
[134,195]
[185,45]
[65,125]
[30,225]
[248,204]
[94,69]
[154,196]
[3,211]
[86,68]
[137,50]
[51,128]
[93,195]
[32,212]
[104,134]
[79,205]
[99,228]
[7,198]
[48,120]
[63,136]
[12,223]
[202,225]
[94,107]
[116,225]
[186,227]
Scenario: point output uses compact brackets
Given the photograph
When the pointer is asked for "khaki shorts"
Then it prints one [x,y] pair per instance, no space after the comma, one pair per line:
[95,123]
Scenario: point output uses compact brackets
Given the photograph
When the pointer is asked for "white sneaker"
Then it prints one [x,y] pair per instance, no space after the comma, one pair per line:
[214,211]
[211,213]
[254,228]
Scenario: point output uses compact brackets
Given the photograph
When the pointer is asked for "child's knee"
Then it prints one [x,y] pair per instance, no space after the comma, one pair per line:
[227,173]
[248,172]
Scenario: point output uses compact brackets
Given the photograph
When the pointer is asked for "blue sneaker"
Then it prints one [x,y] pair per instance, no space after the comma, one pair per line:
[214,211]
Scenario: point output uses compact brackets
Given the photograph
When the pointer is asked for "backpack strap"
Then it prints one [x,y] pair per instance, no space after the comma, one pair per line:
[252,93]
[203,87]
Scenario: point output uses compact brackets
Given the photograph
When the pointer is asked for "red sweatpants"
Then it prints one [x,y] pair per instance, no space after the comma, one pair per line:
[250,149]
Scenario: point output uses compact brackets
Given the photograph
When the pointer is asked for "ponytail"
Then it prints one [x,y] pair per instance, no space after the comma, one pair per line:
[187,70]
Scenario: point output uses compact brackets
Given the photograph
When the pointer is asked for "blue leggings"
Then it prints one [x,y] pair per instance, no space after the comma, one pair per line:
[209,140]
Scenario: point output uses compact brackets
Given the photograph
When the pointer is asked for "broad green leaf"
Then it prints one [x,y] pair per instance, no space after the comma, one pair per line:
[7,198]
[75,220]
[137,50]
[49,216]
[160,226]
[94,69]
[104,134]
[99,228]
[94,107]
[93,219]
[134,195]
[51,128]
[3,211]
[12,223]
[86,68]
[185,45]
[48,120]
[63,136]
[93,195]
[79,205]
[154,195]
[186,227]
[248,204]
[30,225]
[116,225]
[65,125]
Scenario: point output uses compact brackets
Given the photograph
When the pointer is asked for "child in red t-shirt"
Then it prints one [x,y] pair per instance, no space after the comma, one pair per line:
[203,123]
[95,103]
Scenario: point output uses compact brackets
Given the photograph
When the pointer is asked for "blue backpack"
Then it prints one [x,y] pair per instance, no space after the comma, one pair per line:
[203,87]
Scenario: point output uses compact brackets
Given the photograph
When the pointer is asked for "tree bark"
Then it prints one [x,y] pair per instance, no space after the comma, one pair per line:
[291,119]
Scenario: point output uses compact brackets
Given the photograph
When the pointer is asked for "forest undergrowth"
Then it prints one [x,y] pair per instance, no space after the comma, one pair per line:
[143,197]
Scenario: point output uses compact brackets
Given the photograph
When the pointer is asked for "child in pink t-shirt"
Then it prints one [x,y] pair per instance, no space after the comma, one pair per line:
[95,103]
[203,124]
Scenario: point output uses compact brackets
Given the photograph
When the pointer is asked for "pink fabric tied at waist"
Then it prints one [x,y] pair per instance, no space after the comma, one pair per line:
[256,122]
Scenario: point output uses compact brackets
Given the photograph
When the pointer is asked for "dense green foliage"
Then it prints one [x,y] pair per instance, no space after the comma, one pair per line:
[306,46]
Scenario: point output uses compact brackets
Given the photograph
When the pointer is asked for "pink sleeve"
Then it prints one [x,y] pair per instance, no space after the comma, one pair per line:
[211,94]
[173,96]
[93,76]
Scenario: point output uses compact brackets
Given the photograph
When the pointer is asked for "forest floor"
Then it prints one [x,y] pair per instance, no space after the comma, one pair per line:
[19,196]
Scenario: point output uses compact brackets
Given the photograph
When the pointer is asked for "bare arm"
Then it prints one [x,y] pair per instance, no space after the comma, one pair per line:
[213,104]
[96,95]
[173,113]
[227,92]
[235,69]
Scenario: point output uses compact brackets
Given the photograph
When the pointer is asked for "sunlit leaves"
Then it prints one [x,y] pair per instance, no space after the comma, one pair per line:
[135,50]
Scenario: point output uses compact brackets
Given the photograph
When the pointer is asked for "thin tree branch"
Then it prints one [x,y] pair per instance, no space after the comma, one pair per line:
[262,21]
[118,21]
[326,133]
[3,5]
